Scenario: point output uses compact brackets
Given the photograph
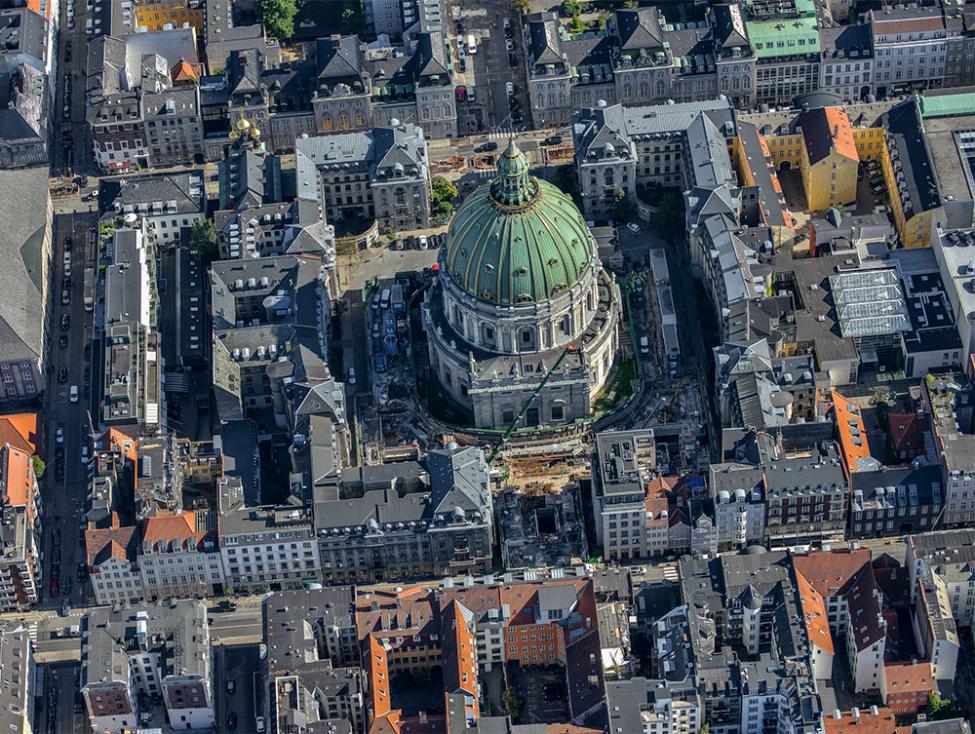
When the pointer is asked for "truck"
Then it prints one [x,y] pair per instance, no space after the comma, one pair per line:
[89,289]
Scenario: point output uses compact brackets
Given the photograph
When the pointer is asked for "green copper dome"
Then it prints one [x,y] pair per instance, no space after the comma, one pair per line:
[517,239]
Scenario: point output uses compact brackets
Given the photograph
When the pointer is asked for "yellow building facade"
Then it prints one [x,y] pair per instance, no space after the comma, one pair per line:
[158,15]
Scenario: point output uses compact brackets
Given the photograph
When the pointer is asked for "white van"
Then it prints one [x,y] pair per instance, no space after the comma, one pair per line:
[471,44]
[644,345]
[74,394]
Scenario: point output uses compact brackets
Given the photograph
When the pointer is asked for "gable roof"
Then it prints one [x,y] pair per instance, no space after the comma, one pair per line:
[814,614]
[21,431]
[826,129]
[25,227]
[113,542]
[639,28]
[829,572]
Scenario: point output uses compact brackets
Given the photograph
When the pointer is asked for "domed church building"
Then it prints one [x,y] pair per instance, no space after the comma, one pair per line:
[520,286]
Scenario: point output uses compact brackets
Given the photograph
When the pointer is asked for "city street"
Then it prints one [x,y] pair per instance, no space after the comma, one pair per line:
[490,65]
[71,138]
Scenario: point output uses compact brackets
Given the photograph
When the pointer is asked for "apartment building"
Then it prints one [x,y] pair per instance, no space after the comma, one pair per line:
[18,679]
[951,403]
[806,494]
[268,547]
[166,202]
[618,148]
[146,113]
[380,175]
[20,531]
[179,556]
[623,465]
[112,562]
[738,493]
[160,651]
[910,48]
[785,40]
[406,520]
[312,667]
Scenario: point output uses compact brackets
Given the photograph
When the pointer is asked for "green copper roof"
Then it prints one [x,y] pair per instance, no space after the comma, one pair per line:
[517,239]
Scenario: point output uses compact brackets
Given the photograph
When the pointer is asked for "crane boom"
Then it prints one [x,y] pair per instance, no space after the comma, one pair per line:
[528,403]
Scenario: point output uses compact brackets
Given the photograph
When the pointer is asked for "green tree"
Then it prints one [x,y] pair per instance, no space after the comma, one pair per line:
[521,6]
[631,4]
[443,190]
[511,702]
[603,20]
[443,194]
[705,729]
[576,25]
[881,396]
[938,707]
[39,466]
[351,21]
[278,17]
[622,206]
[203,238]
[570,8]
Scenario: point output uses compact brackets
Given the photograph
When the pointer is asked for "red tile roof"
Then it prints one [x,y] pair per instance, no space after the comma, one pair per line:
[909,677]
[114,542]
[907,431]
[814,614]
[865,722]
[828,572]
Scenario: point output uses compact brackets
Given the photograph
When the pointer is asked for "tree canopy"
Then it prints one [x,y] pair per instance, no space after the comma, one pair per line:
[278,17]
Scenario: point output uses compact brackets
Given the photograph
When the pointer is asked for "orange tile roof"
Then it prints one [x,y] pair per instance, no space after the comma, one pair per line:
[165,528]
[908,677]
[376,666]
[865,723]
[814,613]
[828,572]
[827,129]
[184,72]
[853,435]
[20,430]
[18,480]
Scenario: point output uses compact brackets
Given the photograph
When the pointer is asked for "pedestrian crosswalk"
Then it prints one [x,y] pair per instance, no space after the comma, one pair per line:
[499,134]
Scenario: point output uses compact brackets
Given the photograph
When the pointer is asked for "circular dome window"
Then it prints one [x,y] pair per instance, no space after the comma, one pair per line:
[522,271]
[524,298]
[553,262]
[489,267]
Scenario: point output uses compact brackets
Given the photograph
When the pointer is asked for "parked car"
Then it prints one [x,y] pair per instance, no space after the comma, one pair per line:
[55,588]
[509,87]
[63,375]
[59,435]
[74,394]
[351,377]
[65,322]
[553,140]
[231,685]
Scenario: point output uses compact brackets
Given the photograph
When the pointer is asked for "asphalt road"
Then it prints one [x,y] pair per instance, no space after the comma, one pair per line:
[489,69]
[71,150]
[240,664]
[64,500]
